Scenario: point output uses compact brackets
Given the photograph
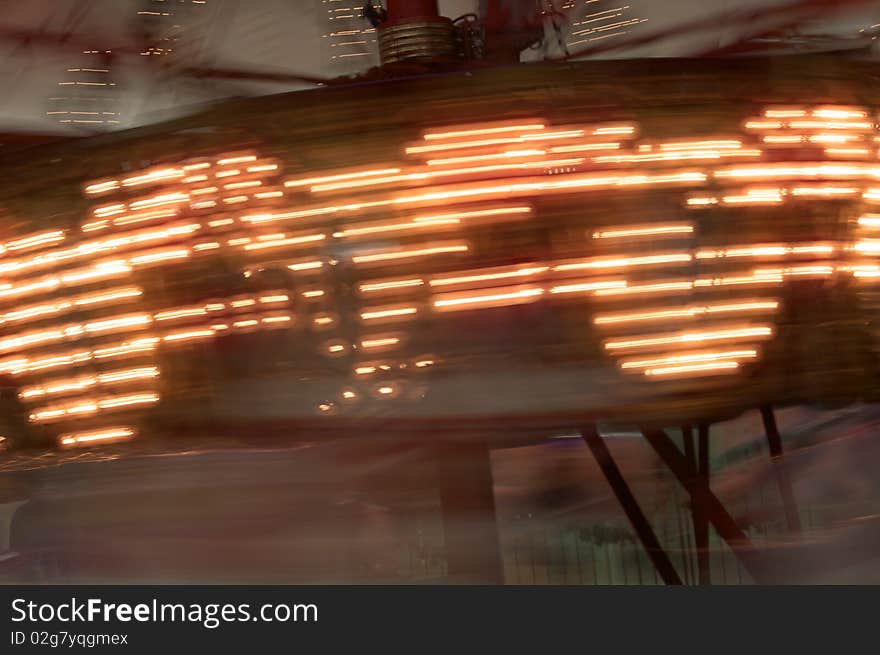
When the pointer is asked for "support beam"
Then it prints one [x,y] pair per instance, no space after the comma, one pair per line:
[687,439]
[774,441]
[701,521]
[630,505]
[718,516]
[470,525]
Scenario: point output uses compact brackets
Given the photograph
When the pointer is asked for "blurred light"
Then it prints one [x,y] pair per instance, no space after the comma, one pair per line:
[103,435]
[646,230]
[503,298]
[691,337]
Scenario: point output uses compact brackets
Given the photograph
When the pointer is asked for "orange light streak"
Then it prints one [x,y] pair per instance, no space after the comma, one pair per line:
[690,369]
[624,262]
[652,287]
[480,131]
[163,175]
[389,285]
[378,313]
[393,255]
[689,358]
[408,226]
[384,342]
[503,297]
[694,311]
[589,287]
[103,435]
[644,230]
[510,154]
[730,334]
[309,181]
[291,241]
[489,275]
[236,160]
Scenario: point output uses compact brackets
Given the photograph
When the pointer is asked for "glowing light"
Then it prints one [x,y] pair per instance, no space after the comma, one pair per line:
[793,170]
[868,246]
[308,181]
[763,125]
[122,322]
[838,113]
[271,320]
[291,241]
[391,312]
[384,342]
[393,255]
[129,374]
[503,297]
[834,138]
[389,285]
[624,262]
[163,175]
[481,131]
[510,154]
[652,287]
[134,347]
[263,168]
[498,141]
[756,196]
[188,335]
[34,240]
[489,275]
[782,139]
[427,175]
[236,160]
[582,287]
[305,266]
[701,202]
[689,358]
[686,312]
[274,299]
[159,256]
[785,113]
[824,191]
[830,125]
[102,187]
[396,227]
[585,147]
[644,230]
[729,334]
[176,314]
[848,152]
[104,435]
[125,401]
[690,369]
